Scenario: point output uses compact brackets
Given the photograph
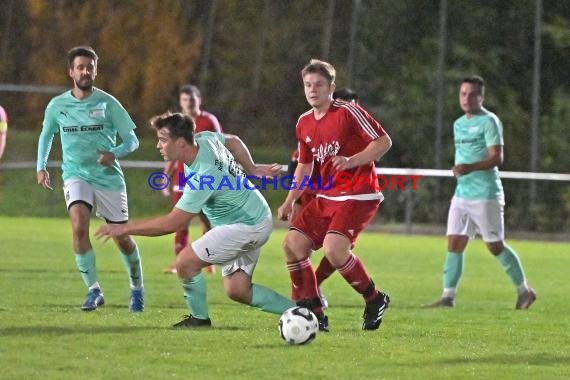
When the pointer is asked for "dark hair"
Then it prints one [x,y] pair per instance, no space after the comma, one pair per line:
[178,124]
[316,66]
[475,79]
[81,51]
[345,94]
[190,90]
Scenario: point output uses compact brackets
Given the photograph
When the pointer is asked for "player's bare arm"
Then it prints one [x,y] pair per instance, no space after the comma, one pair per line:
[240,152]
[373,152]
[303,171]
[162,225]
[242,155]
[494,158]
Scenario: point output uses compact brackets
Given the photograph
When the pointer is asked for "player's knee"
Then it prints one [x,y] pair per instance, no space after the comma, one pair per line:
[331,249]
[295,249]
[287,248]
[335,256]
[238,294]
[235,295]
[496,247]
[182,270]
[80,233]
[185,268]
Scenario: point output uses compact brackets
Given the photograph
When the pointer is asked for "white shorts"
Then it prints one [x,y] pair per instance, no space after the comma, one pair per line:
[469,217]
[233,246]
[111,205]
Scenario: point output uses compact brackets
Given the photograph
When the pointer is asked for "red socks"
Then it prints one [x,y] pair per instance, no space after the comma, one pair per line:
[304,284]
[355,274]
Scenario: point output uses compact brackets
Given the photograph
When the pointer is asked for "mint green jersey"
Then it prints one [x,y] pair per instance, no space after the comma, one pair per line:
[472,138]
[87,126]
[216,185]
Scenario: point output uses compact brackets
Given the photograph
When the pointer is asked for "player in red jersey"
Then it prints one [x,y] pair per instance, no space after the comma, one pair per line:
[344,140]
[190,101]
[325,269]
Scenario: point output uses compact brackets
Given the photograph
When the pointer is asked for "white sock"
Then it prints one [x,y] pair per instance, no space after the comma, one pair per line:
[522,288]
[448,293]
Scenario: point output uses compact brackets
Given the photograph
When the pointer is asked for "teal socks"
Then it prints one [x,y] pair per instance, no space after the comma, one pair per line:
[453,269]
[86,265]
[512,264]
[195,296]
[133,265]
[269,300]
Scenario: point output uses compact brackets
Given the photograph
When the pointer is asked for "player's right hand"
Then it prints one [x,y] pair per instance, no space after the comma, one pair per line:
[284,212]
[43,179]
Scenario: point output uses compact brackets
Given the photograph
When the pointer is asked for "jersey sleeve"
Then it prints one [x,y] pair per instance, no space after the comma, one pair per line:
[194,196]
[207,122]
[125,126]
[220,136]
[217,136]
[364,124]
[493,132]
[130,144]
[49,129]
[304,154]
[215,124]
[120,117]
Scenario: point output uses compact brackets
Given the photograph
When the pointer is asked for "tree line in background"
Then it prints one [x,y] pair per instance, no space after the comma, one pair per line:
[402,57]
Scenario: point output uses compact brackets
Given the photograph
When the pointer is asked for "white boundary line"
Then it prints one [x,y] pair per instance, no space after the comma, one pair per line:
[380,171]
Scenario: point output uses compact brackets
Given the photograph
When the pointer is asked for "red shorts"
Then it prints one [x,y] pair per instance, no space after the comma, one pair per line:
[305,198]
[321,216]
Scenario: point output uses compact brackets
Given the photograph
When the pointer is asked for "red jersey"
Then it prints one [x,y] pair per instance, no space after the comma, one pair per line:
[346,129]
[205,122]
[312,190]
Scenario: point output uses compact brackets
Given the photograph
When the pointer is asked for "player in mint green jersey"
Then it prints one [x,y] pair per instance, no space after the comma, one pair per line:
[88,121]
[241,220]
[478,203]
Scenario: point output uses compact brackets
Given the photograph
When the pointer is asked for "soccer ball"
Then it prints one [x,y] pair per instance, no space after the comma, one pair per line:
[298,325]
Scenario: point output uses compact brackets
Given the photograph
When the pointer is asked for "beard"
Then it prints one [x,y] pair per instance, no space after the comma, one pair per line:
[84,84]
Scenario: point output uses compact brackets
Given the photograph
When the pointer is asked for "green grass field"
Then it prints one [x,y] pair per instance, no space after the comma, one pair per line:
[44,334]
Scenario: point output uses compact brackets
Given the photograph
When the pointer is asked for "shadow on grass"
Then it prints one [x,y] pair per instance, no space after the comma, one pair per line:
[32,331]
[22,270]
[58,330]
[529,359]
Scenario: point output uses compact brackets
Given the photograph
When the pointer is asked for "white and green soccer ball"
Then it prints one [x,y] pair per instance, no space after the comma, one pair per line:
[298,325]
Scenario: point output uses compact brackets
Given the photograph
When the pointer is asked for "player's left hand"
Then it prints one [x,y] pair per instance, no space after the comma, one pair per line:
[105,158]
[341,163]
[109,231]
